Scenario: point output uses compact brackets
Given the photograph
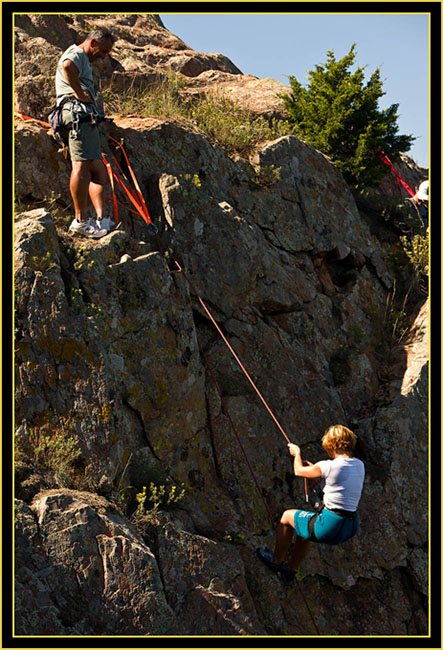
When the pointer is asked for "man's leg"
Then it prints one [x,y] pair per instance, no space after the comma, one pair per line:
[97,185]
[79,186]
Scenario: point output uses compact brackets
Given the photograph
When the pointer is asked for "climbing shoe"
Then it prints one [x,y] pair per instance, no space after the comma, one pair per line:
[268,558]
[106,223]
[286,574]
[87,229]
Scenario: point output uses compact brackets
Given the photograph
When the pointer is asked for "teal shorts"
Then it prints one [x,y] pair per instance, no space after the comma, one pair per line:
[86,145]
[329,528]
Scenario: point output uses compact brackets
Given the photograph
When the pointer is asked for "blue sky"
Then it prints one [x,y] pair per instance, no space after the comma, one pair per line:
[279,45]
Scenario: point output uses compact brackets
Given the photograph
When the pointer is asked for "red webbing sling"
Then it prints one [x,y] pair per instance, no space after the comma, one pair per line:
[384,158]
[26,118]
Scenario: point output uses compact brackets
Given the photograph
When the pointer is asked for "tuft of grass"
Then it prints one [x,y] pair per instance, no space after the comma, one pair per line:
[234,128]
[51,455]
[395,318]
[161,99]
[394,324]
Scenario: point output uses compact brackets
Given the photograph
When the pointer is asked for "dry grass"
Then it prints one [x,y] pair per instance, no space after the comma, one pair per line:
[232,127]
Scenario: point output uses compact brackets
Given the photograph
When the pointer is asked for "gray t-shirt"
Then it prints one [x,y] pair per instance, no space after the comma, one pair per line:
[344,482]
[80,59]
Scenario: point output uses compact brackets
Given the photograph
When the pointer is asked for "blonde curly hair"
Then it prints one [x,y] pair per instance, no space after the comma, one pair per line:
[339,439]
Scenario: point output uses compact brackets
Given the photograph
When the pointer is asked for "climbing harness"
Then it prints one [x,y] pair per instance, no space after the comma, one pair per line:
[82,112]
[311,523]
[344,514]
[384,158]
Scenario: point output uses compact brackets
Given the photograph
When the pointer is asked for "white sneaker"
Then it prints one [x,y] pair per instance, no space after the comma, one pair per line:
[87,229]
[106,223]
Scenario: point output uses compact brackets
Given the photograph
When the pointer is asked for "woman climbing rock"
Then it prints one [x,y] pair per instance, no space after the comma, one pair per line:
[338,519]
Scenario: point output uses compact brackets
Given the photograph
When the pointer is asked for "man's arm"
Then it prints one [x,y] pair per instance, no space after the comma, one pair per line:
[70,71]
[310,471]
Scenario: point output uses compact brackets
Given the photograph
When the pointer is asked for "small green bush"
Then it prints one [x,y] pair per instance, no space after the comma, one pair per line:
[42,263]
[417,250]
[157,497]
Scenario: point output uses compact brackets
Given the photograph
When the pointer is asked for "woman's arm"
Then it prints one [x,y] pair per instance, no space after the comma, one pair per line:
[310,471]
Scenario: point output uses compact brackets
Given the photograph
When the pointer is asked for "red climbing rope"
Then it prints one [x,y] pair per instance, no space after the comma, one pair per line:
[111,181]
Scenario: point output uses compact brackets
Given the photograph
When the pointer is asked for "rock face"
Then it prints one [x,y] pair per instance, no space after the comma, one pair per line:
[104,576]
[115,356]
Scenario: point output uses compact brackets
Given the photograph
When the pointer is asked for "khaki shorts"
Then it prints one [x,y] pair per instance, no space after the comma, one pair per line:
[86,144]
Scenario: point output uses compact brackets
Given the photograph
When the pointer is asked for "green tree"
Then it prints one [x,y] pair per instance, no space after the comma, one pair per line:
[339,115]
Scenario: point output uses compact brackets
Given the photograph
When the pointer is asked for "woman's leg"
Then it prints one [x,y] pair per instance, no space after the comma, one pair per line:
[299,552]
[285,531]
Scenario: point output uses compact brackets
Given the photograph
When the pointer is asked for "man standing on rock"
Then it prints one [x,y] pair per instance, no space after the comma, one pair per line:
[76,93]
